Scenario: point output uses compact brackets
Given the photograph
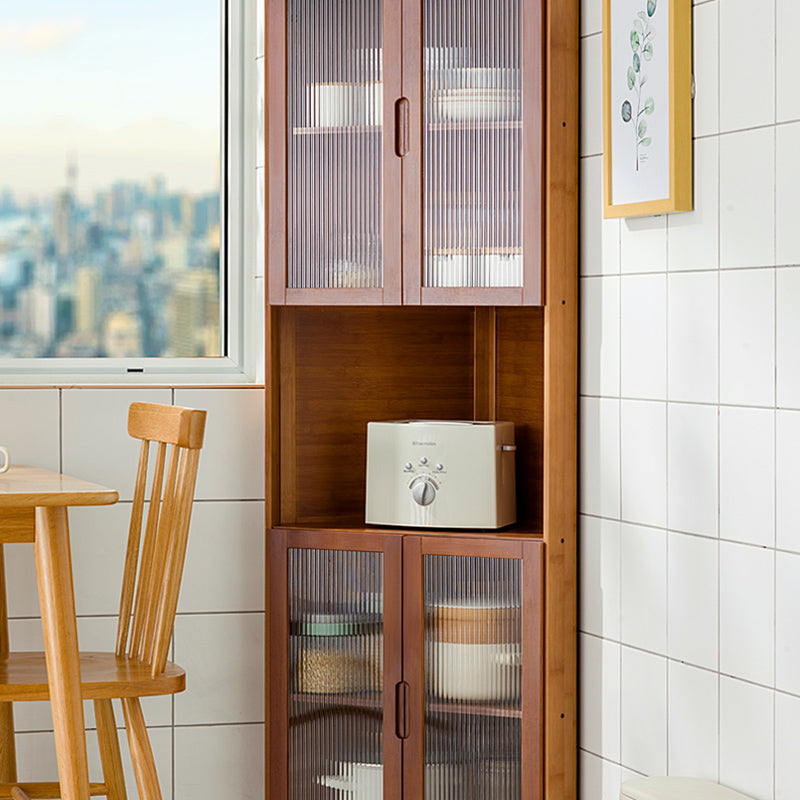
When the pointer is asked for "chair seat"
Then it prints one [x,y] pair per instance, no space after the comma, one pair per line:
[23,677]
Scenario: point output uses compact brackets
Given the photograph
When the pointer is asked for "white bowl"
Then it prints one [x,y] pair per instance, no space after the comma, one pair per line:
[473,672]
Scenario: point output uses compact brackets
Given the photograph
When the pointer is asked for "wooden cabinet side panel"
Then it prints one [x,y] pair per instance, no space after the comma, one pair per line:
[520,398]
[561,397]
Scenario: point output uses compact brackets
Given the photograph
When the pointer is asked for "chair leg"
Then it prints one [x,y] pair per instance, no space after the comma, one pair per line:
[144,765]
[8,751]
[110,757]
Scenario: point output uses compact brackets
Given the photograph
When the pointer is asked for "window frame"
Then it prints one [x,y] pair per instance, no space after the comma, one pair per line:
[241,243]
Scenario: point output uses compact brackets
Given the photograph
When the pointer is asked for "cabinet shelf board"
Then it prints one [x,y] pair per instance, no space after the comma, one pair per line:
[373,701]
[517,531]
[477,125]
[336,130]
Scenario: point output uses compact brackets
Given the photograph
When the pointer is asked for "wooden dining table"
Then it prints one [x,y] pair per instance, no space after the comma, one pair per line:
[33,509]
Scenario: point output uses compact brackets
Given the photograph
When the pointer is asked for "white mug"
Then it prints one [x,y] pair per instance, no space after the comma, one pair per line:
[7,458]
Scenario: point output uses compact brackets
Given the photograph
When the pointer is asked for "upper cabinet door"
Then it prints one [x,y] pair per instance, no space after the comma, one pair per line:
[333,175]
[472,179]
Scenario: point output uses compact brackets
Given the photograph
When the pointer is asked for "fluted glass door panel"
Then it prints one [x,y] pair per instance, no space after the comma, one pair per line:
[473,678]
[473,143]
[336,669]
[335,144]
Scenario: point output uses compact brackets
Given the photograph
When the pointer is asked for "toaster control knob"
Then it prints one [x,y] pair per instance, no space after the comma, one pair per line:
[423,492]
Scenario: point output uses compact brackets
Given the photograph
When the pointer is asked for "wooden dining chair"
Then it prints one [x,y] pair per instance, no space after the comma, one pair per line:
[138,667]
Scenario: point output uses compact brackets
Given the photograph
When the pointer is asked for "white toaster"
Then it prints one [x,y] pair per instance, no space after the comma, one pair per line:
[440,474]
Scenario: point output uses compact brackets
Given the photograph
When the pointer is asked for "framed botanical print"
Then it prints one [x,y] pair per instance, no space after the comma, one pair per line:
[647,106]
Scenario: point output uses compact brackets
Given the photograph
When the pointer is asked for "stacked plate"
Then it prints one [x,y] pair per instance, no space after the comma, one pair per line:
[478,104]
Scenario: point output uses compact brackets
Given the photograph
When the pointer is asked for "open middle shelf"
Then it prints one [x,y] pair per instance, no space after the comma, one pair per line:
[334,369]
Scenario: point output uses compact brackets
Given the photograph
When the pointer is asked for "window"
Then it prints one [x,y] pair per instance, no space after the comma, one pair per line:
[122,229]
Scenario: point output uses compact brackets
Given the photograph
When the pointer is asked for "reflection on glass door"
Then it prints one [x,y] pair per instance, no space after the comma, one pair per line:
[335,139]
[472,227]
[336,674]
[473,669]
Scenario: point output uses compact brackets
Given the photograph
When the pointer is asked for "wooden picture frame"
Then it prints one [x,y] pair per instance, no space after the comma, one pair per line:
[647,107]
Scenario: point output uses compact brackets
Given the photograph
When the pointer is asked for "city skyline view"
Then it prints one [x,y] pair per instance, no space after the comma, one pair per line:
[110,203]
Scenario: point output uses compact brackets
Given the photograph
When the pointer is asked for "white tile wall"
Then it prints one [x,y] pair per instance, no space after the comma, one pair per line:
[692,474]
[692,335]
[746,744]
[599,688]
[788,335]
[644,712]
[746,64]
[787,622]
[693,721]
[208,741]
[644,588]
[747,198]
[643,363]
[747,337]
[747,612]
[693,607]
[747,475]
[600,335]
[709,465]
[599,564]
[787,479]
[787,746]
[644,462]
[787,29]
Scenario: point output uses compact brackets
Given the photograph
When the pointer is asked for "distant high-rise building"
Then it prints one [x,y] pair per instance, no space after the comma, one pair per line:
[194,315]
[64,223]
[174,253]
[87,300]
[122,335]
[187,214]
[103,209]
[36,313]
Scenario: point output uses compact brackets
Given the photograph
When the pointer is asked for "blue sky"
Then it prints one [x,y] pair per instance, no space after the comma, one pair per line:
[132,88]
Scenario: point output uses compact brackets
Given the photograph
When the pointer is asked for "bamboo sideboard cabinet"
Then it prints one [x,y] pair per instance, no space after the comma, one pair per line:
[422,250]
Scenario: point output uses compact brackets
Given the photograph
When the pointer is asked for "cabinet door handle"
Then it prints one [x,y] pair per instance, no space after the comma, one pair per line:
[401,127]
[401,694]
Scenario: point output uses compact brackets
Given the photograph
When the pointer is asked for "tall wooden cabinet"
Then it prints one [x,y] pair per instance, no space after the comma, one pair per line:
[422,182]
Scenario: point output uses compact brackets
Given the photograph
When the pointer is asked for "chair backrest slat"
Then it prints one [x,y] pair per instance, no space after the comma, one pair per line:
[175,560]
[144,578]
[132,554]
[147,613]
[160,546]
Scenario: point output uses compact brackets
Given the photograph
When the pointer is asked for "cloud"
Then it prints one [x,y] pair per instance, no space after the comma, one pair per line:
[50,35]
[40,36]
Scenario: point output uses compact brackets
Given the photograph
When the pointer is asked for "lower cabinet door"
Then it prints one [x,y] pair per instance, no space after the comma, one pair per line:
[472,667]
[404,666]
[335,638]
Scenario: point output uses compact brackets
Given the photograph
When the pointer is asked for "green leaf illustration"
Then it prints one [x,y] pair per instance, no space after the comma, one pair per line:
[642,128]
[631,78]
[647,51]
[627,111]
[637,62]
[649,106]
[642,16]
[646,142]
[639,26]
[635,42]
[651,7]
